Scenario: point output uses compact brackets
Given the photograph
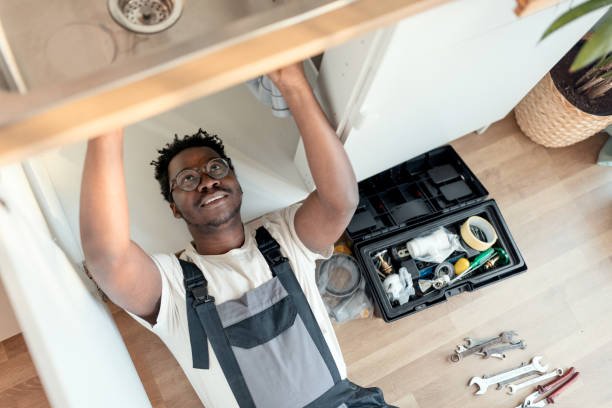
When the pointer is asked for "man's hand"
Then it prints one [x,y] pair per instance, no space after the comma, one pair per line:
[289,77]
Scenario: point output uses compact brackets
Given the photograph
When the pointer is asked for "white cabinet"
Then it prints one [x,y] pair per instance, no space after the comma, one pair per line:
[8,323]
[437,76]
[72,339]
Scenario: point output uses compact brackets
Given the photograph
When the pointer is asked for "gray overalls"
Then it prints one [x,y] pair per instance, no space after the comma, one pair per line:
[268,343]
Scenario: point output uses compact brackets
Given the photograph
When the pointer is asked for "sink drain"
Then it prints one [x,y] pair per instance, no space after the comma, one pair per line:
[145,16]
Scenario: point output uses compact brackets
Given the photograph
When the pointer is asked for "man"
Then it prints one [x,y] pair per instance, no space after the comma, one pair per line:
[282,351]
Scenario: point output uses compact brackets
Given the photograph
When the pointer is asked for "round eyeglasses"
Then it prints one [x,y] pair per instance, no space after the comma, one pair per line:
[189,179]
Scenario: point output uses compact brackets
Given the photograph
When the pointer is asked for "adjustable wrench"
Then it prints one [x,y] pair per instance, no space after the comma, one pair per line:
[484,382]
[513,388]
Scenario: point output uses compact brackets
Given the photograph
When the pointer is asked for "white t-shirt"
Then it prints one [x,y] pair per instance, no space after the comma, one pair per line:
[229,276]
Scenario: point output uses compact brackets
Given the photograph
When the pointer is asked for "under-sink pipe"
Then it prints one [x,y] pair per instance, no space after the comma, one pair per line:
[8,65]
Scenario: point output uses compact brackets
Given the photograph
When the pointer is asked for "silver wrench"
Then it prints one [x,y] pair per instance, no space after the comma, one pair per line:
[470,342]
[484,382]
[513,388]
[500,356]
[504,383]
[462,351]
[494,352]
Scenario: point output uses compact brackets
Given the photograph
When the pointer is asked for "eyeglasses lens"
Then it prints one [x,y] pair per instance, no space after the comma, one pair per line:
[189,179]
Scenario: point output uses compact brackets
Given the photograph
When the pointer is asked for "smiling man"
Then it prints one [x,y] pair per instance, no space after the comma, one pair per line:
[239,307]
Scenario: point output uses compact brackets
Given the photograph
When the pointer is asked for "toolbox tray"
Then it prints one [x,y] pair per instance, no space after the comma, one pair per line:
[387,218]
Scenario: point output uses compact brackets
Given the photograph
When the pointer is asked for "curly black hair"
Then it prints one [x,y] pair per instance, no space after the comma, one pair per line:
[167,153]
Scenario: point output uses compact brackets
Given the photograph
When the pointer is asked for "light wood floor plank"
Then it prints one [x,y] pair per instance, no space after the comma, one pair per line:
[16,370]
[27,394]
[3,355]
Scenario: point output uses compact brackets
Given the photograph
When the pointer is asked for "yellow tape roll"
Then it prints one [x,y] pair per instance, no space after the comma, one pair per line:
[484,226]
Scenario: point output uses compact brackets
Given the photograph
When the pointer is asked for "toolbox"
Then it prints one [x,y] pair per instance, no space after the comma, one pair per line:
[416,198]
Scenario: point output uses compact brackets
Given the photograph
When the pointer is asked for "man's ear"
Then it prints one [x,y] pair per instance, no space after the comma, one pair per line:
[175,211]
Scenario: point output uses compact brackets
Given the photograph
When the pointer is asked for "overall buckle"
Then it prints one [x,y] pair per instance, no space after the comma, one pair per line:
[200,295]
[274,256]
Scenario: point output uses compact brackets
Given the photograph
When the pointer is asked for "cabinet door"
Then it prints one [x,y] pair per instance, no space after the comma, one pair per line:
[443,74]
[8,322]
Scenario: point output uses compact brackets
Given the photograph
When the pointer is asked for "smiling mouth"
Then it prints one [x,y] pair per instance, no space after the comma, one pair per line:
[206,202]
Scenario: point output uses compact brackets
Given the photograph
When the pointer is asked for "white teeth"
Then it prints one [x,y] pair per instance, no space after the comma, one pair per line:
[213,199]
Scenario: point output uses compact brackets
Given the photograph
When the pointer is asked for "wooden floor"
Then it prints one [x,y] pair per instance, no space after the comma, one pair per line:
[558,205]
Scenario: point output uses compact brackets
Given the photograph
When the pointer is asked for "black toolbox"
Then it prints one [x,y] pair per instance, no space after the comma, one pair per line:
[435,189]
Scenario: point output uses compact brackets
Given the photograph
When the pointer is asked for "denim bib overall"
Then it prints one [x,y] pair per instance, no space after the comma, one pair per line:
[268,343]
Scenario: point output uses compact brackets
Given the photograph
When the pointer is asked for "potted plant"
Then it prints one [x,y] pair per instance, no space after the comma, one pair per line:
[574,100]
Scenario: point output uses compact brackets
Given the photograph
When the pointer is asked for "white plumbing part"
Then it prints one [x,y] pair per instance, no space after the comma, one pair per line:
[393,285]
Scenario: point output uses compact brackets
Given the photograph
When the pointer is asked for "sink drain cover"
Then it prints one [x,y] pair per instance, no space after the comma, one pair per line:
[145,16]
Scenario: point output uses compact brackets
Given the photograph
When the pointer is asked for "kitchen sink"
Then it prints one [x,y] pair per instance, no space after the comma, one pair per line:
[62,48]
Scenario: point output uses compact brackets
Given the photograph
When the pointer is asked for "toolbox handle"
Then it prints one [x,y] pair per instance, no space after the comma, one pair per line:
[466,287]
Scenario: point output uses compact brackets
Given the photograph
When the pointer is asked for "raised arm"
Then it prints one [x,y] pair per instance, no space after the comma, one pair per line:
[121,268]
[327,211]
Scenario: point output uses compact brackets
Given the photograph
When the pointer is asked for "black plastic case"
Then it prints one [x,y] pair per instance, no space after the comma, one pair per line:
[432,190]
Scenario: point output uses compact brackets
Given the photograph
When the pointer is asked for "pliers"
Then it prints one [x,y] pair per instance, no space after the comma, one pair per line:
[555,387]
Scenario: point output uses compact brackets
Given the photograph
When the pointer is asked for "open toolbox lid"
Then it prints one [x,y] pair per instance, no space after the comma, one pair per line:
[414,192]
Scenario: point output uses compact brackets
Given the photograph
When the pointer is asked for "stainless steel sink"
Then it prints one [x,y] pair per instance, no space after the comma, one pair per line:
[62,48]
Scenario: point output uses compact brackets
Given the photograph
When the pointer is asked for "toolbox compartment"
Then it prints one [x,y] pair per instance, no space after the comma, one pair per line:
[432,190]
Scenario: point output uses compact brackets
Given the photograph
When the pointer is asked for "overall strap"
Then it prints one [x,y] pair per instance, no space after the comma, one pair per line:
[270,249]
[281,268]
[196,292]
[204,324]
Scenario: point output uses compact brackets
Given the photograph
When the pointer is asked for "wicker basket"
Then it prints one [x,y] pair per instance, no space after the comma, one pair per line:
[547,118]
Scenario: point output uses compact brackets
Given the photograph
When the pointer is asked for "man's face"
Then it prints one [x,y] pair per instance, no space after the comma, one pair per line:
[195,206]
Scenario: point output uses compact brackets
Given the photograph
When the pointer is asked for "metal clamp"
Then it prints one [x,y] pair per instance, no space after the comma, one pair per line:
[200,295]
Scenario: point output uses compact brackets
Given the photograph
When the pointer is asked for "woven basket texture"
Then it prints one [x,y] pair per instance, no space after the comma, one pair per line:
[547,118]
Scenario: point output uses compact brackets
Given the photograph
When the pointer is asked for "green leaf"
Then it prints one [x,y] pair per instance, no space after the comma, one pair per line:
[574,13]
[596,47]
